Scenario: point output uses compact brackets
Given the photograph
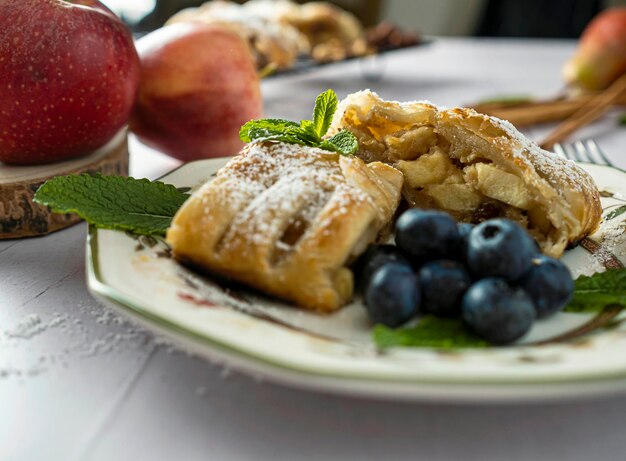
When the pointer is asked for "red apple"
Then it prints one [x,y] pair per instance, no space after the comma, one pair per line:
[198,86]
[601,54]
[68,78]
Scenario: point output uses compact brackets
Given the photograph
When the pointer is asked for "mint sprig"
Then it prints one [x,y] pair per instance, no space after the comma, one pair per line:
[114,202]
[306,133]
[325,107]
[592,294]
[430,332]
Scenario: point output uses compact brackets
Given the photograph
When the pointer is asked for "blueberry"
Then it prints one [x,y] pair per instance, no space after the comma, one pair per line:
[497,311]
[426,235]
[443,284]
[500,248]
[549,284]
[392,295]
[460,251]
[374,257]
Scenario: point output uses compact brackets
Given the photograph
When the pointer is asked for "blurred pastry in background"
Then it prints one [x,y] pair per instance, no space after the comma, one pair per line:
[281,31]
[272,42]
[332,33]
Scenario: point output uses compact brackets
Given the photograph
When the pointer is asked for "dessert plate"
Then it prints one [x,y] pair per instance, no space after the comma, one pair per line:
[568,355]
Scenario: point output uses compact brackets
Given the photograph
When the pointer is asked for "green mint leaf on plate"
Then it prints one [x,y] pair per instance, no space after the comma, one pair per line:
[592,294]
[114,202]
[431,332]
[325,107]
[622,119]
[616,212]
[307,132]
[343,142]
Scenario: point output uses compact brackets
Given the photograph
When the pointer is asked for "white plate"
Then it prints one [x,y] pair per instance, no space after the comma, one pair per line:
[334,352]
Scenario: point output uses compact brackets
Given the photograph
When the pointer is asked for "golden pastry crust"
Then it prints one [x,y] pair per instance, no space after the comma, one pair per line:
[287,219]
[475,167]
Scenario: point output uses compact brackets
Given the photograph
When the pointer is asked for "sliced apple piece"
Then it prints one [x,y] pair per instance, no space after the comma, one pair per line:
[498,185]
[454,197]
[432,168]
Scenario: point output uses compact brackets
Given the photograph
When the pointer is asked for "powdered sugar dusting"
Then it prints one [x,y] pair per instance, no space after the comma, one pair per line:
[85,339]
[552,167]
[29,326]
[283,183]
[367,93]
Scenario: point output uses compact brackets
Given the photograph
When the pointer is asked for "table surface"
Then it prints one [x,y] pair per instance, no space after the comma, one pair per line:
[79,383]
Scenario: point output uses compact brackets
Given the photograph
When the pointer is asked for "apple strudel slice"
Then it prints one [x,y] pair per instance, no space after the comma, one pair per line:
[475,167]
[286,219]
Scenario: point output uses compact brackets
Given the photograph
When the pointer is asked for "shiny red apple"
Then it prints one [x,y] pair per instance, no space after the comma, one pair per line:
[198,86]
[69,73]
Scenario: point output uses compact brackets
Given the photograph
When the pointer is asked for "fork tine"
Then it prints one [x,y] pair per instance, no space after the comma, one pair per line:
[581,152]
[593,154]
[566,151]
[570,152]
[593,147]
[558,150]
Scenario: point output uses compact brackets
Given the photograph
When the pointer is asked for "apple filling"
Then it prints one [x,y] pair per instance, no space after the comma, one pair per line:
[445,168]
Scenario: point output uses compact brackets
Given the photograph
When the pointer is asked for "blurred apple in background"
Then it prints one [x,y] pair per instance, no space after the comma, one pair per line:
[68,78]
[198,86]
[601,54]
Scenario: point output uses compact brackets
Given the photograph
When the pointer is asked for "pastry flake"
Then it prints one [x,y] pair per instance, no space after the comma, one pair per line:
[287,219]
[475,167]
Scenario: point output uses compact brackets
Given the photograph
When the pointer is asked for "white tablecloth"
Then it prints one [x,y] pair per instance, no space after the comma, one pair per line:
[77,383]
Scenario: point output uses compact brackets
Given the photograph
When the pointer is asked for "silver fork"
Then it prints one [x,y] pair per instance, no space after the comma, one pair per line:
[583,151]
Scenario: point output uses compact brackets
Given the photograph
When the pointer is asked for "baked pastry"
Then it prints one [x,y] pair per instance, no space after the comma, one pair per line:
[279,31]
[286,219]
[319,22]
[475,167]
[328,29]
[272,42]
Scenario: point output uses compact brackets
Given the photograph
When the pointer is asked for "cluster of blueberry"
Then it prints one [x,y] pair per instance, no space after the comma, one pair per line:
[492,275]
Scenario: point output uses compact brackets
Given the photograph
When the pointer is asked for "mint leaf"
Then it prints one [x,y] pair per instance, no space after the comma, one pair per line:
[256,130]
[288,137]
[325,107]
[278,131]
[343,142]
[307,132]
[432,332]
[114,202]
[616,212]
[622,119]
[592,294]
[307,127]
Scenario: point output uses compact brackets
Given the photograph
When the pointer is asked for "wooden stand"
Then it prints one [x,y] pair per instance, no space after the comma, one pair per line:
[21,217]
